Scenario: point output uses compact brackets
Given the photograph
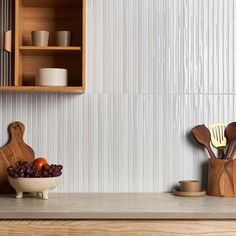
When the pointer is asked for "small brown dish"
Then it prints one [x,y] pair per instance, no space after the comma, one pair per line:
[189,194]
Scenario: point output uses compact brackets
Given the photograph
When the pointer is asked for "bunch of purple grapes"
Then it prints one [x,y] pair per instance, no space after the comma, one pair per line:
[21,169]
[24,169]
[51,170]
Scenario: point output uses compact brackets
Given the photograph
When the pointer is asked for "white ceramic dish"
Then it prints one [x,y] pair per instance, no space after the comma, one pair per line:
[34,185]
[52,77]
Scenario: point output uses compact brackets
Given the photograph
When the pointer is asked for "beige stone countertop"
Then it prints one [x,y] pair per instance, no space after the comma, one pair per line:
[116,206]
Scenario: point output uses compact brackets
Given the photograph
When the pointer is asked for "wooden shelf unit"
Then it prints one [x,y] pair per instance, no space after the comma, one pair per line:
[50,15]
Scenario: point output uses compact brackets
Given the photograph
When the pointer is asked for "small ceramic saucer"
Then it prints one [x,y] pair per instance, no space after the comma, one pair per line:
[189,194]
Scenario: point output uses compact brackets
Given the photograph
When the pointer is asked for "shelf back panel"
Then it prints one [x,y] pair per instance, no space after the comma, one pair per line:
[32,64]
[52,20]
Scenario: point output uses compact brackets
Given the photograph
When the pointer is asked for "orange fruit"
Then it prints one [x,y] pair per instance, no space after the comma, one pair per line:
[39,163]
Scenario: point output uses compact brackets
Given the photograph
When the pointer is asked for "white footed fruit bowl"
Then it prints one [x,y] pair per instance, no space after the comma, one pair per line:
[34,185]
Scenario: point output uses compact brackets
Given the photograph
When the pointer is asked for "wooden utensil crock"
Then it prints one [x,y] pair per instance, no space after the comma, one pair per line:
[222,178]
[15,150]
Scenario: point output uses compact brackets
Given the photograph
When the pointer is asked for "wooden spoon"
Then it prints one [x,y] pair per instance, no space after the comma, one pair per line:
[202,135]
[230,134]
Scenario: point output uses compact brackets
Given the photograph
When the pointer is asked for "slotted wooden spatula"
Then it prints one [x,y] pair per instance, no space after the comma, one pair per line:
[202,135]
[218,138]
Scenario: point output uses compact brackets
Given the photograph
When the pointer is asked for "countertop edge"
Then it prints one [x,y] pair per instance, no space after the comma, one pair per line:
[140,206]
[116,216]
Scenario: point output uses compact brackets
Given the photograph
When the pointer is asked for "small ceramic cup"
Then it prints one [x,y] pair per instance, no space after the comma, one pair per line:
[63,38]
[40,38]
[190,186]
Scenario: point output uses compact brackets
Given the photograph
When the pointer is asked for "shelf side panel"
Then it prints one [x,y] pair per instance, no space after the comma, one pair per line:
[84,47]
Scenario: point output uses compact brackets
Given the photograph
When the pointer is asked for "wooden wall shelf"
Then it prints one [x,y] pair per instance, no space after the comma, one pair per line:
[33,50]
[68,89]
[50,15]
[52,3]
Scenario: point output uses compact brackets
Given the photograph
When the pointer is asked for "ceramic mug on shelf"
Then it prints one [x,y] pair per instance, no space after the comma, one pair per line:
[40,38]
[63,38]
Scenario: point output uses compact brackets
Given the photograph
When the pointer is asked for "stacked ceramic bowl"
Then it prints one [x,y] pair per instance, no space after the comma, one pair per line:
[52,77]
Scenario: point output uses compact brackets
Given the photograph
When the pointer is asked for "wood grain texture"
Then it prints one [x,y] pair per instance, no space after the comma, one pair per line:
[51,3]
[33,50]
[15,150]
[52,89]
[118,228]
[221,178]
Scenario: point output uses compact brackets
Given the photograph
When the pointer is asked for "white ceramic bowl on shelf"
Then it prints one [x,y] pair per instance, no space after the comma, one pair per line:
[52,77]
[34,185]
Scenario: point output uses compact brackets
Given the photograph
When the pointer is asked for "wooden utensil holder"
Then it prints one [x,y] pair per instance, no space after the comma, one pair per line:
[222,178]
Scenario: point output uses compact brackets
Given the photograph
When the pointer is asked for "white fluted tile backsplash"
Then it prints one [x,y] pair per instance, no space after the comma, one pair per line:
[155,69]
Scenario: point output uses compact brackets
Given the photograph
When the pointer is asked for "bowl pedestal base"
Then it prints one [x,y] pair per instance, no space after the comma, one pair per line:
[43,195]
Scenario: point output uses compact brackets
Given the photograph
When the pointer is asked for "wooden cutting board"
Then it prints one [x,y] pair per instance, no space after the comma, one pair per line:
[15,150]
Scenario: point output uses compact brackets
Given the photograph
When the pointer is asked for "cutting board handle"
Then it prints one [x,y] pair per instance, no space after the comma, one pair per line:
[16,130]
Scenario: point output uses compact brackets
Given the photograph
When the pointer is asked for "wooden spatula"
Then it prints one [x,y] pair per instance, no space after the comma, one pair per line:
[202,135]
[14,151]
[230,134]
[218,138]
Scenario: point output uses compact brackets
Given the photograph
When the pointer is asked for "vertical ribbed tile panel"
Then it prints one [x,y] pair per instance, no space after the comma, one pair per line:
[155,69]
